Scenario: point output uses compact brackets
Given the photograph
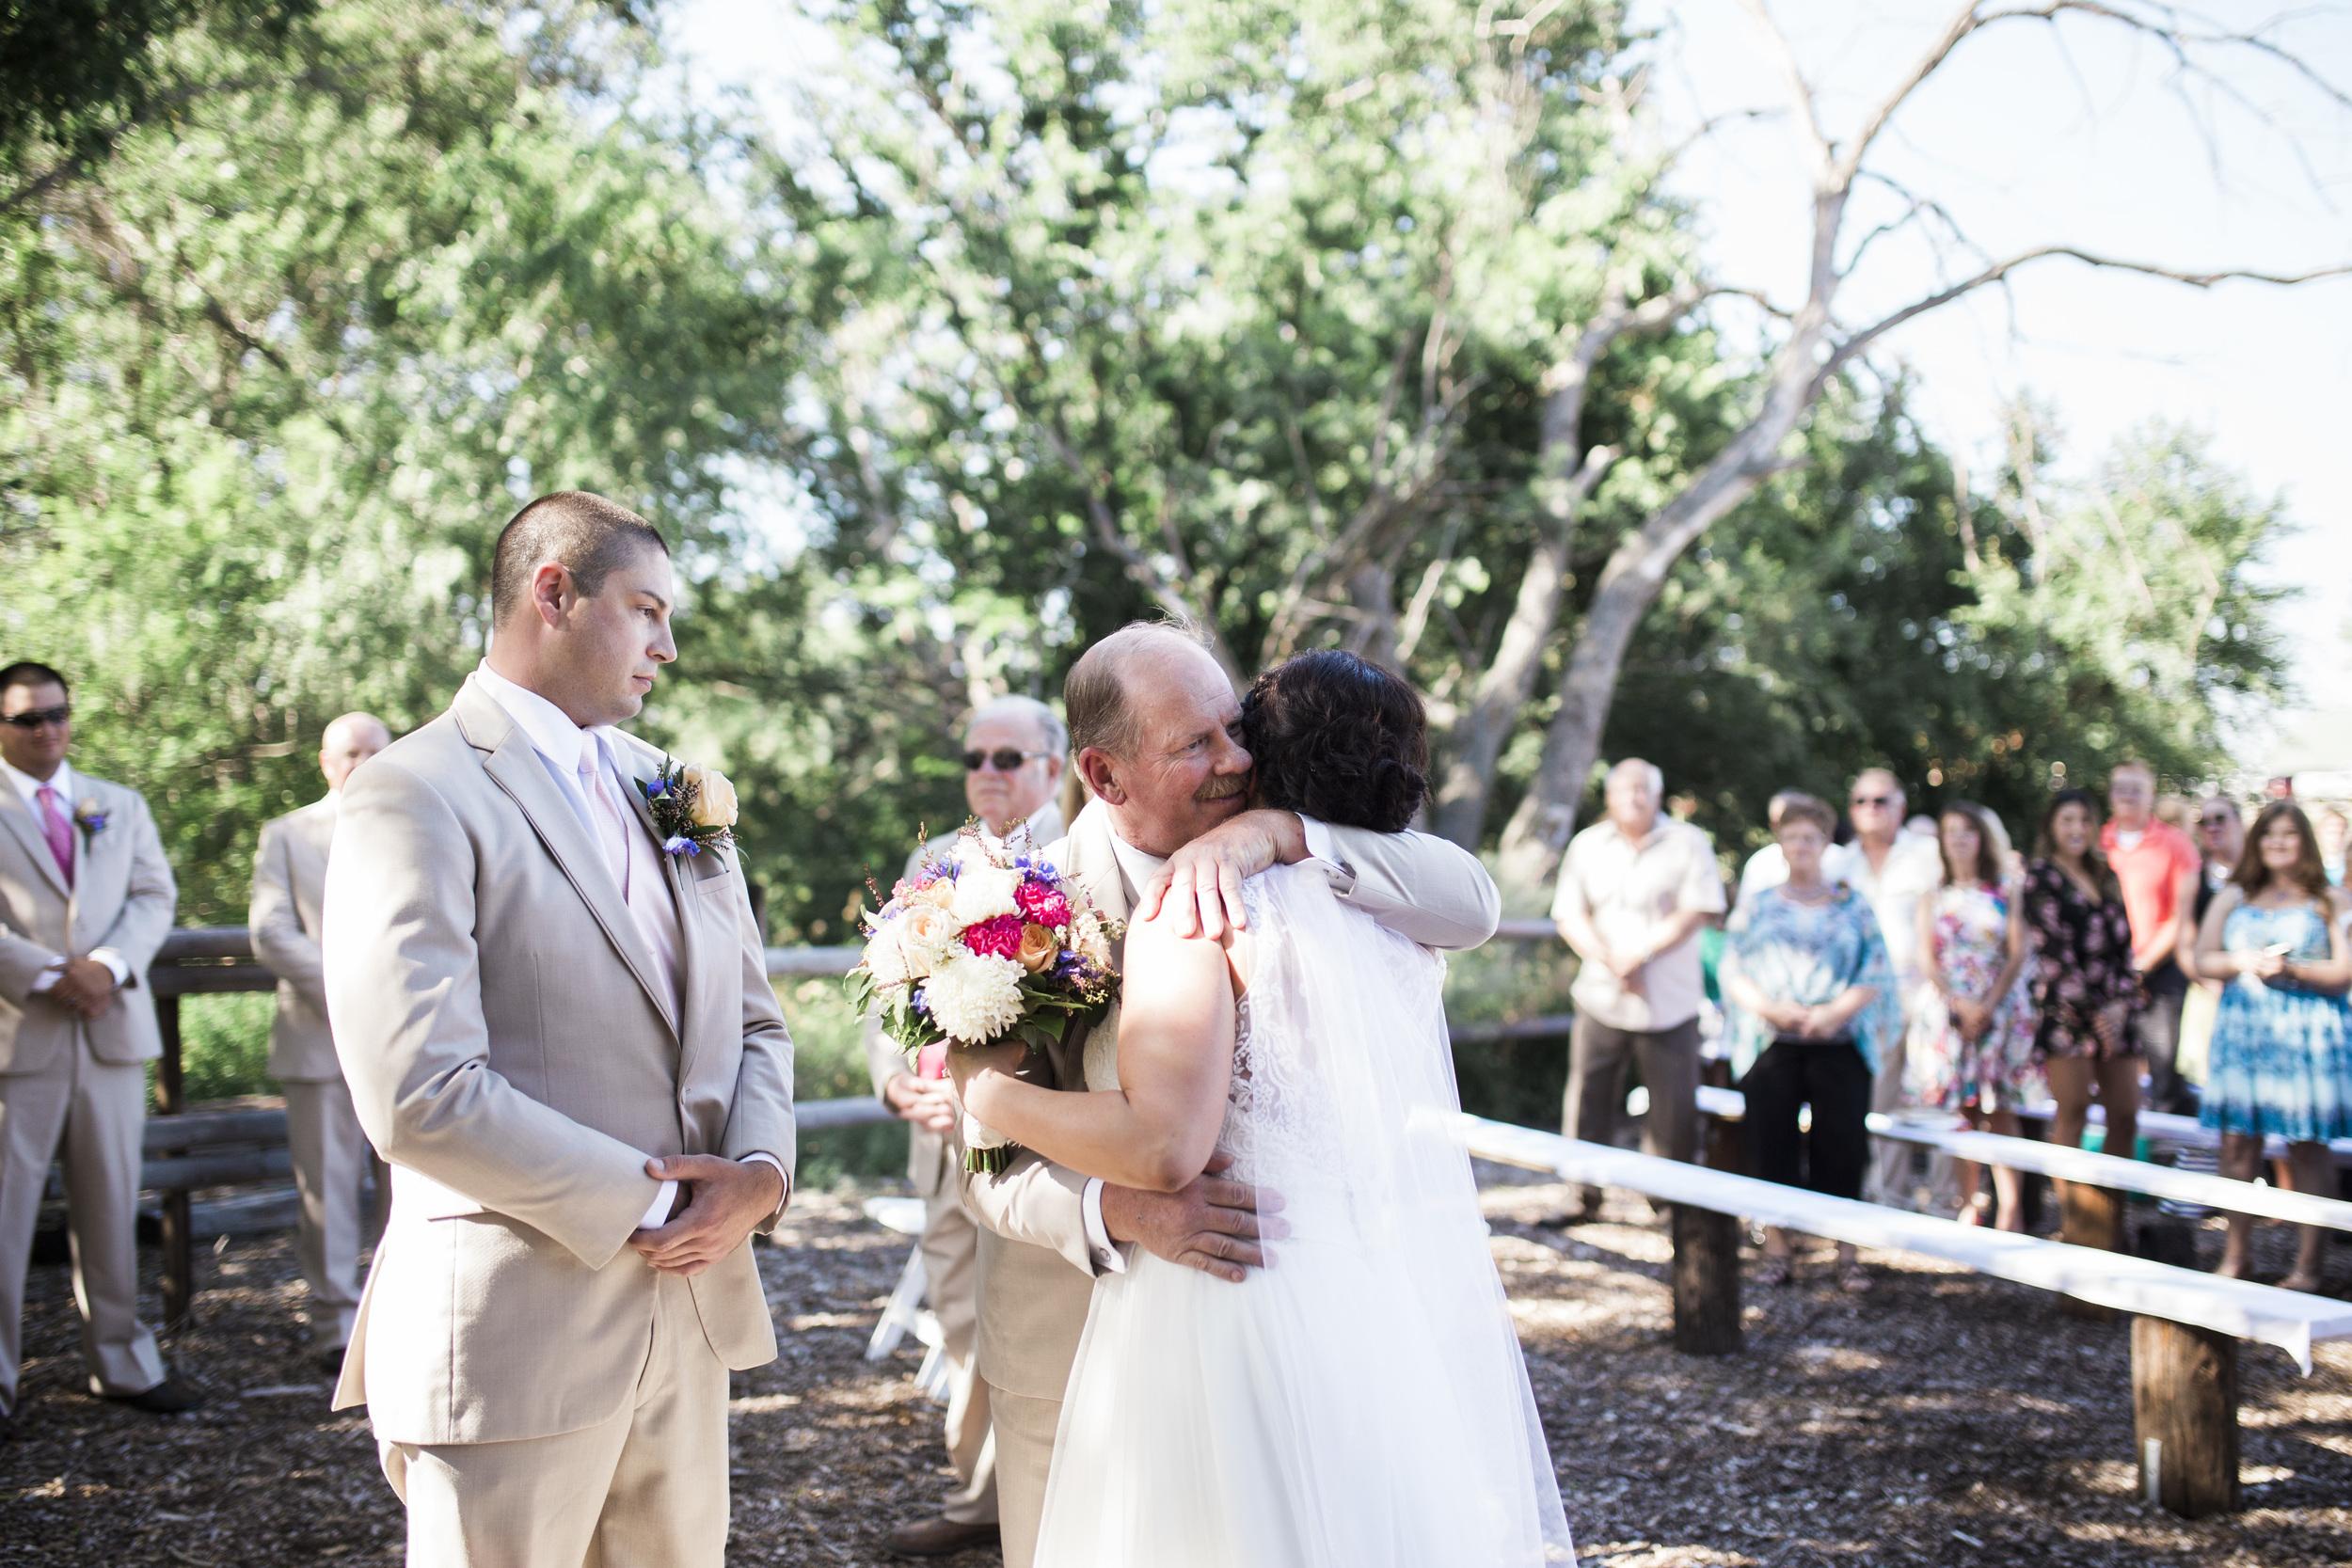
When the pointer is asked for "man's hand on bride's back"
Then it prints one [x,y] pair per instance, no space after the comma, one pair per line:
[1209,1224]
[1202,881]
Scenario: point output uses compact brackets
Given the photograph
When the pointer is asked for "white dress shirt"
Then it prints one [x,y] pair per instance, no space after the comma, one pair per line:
[30,788]
[561,745]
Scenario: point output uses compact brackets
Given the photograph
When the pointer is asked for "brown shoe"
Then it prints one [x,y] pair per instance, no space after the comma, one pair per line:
[938,1538]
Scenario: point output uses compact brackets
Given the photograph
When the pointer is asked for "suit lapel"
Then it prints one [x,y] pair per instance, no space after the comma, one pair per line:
[676,878]
[18,817]
[515,768]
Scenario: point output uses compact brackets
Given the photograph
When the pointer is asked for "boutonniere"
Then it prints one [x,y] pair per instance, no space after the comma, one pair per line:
[692,807]
[89,816]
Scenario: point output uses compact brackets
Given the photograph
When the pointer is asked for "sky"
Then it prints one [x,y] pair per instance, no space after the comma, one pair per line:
[2028,135]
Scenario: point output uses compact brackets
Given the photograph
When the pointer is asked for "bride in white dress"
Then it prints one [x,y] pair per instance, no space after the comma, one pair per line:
[1361,1401]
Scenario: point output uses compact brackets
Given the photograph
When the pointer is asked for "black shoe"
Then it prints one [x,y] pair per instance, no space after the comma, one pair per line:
[8,1433]
[165,1399]
[937,1538]
[332,1360]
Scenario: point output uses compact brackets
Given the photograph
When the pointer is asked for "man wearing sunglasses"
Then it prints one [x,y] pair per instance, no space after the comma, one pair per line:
[1894,870]
[86,898]
[1013,750]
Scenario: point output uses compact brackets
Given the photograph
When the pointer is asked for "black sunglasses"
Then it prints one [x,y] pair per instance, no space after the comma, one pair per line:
[1872,801]
[33,718]
[1005,757]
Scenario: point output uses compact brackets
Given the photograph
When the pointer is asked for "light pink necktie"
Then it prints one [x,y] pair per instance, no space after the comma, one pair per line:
[60,832]
[615,828]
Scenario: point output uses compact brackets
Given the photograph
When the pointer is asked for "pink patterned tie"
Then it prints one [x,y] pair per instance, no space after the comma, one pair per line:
[60,832]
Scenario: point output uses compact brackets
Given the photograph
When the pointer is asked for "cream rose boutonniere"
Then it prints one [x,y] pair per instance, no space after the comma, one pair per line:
[692,807]
[89,814]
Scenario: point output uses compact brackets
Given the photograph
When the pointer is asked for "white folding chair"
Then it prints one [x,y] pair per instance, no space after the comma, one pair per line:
[905,1313]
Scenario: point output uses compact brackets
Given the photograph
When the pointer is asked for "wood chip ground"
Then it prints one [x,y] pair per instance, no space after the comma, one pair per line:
[1942,1418]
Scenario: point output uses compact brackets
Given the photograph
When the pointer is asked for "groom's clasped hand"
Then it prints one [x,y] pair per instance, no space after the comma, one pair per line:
[722,1202]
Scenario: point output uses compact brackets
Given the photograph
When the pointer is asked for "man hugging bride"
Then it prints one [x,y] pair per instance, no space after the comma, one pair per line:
[1236,1301]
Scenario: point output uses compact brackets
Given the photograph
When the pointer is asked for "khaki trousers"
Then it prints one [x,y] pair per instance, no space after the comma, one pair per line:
[951,1268]
[1593,1105]
[331,1161]
[645,1489]
[88,1114]
[1024,1450]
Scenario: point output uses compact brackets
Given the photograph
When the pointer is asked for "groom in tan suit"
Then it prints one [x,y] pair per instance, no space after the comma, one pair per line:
[1155,723]
[563,1040]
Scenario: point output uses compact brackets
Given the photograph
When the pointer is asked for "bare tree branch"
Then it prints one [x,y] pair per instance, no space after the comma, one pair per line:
[1860,340]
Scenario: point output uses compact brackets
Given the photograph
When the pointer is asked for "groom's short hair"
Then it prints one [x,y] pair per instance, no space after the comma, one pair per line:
[585,534]
[1095,694]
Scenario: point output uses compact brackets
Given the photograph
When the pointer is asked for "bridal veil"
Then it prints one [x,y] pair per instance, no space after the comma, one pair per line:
[1361,1401]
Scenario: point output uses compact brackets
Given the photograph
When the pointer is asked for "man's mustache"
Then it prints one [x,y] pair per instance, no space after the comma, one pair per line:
[1222,786]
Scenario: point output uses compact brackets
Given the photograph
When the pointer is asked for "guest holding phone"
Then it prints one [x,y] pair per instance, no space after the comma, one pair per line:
[2281,1058]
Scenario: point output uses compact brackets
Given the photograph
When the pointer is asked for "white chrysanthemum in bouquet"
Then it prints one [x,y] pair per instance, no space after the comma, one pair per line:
[983,945]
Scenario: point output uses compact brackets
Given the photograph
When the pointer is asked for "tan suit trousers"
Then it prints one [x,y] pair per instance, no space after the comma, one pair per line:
[331,1161]
[88,1114]
[1024,1450]
[951,1271]
[645,1489]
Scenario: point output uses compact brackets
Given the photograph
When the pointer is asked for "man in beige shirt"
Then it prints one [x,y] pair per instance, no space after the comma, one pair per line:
[1154,721]
[1634,889]
[1013,751]
[331,1158]
[558,1028]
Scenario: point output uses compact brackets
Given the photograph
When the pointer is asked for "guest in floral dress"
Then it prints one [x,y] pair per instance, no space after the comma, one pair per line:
[2282,1058]
[1814,1013]
[2085,987]
[1971,1045]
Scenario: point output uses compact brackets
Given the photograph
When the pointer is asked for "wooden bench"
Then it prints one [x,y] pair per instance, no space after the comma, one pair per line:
[2107,1172]
[2184,1337]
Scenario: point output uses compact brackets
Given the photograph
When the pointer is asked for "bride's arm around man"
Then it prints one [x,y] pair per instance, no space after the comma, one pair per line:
[1154,722]
[558,1029]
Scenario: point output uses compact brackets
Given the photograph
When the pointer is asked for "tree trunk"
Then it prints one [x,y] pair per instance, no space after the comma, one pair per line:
[1493,712]
[1629,584]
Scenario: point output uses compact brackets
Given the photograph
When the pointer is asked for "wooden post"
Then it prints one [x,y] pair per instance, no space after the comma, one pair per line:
[2184,1417]
[179,1244]
[2092,1217]
[1706,1281]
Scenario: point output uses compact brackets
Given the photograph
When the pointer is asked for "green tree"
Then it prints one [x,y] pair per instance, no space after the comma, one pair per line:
[279,364]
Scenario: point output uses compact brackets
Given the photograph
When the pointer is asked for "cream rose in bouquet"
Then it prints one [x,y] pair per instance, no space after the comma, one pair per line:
[983,945]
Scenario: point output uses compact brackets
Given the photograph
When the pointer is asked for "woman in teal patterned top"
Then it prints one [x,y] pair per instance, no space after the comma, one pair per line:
[2282,1056]
[1814,1010]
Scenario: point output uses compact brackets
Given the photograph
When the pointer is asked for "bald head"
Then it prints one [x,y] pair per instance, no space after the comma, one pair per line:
[1156,725]
[1096,694]
[350,741]
[1631,794]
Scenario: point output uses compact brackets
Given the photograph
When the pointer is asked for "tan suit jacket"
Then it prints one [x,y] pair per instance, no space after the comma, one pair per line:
[122,898]
[513,1054]
[1036,1272]
[289,901]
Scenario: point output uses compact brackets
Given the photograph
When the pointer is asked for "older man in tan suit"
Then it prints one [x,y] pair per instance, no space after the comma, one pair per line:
[1154,721]
[557,1026]
[1013,752]
[331,1156]
[85,896]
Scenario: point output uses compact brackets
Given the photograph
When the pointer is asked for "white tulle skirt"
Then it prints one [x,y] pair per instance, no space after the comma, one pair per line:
[1314,1416]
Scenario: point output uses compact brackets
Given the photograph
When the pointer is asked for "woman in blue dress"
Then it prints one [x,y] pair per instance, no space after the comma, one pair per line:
[2281,1054]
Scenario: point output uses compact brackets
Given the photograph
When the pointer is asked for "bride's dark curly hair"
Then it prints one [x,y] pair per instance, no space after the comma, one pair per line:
[1339,738]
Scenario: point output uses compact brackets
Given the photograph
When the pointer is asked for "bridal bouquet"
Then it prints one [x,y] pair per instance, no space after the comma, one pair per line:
[985,946]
